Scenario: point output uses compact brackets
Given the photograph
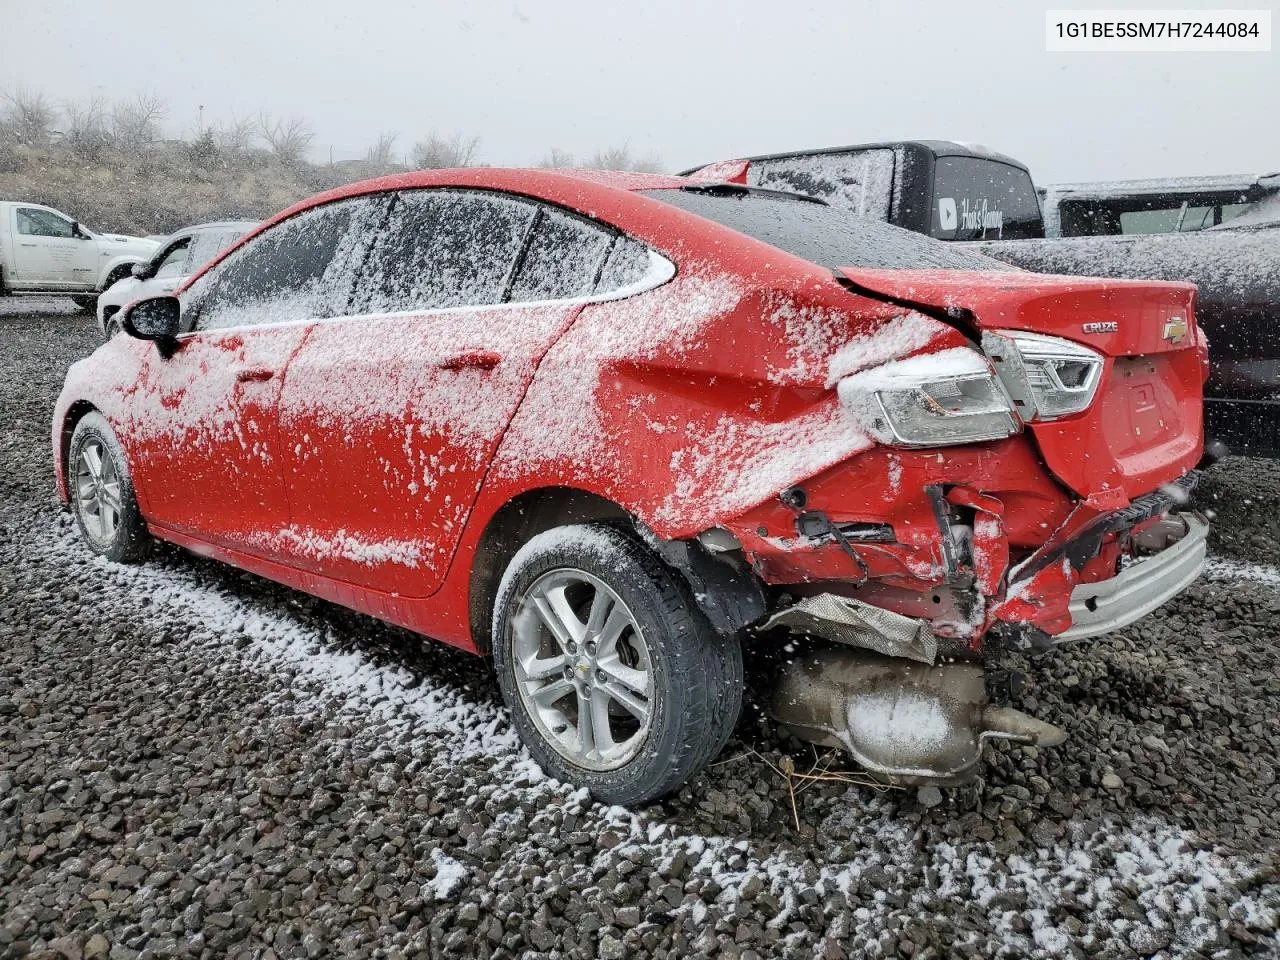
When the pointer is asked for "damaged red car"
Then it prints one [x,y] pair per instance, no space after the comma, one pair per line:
[601,426]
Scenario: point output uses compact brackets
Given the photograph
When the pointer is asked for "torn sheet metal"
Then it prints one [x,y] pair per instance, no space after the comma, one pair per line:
[857,624]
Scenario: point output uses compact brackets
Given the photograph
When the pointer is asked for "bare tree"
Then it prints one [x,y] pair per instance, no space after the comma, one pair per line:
[87,130]
[136,123]
[29,115]
[235,136]
[437,153]
[557,159]
[288,139]
[380,153]
[620,158]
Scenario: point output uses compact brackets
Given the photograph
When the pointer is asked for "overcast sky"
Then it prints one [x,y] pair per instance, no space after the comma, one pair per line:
[688,81]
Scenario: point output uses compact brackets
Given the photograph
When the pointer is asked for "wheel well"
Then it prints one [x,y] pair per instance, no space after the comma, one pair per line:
[511,527]
[75,413]
[118,272]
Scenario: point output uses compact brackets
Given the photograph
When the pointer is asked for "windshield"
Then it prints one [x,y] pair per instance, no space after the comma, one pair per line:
[824,235]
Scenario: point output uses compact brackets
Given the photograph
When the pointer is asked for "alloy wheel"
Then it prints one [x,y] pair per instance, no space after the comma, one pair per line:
[98,492]
[583,669]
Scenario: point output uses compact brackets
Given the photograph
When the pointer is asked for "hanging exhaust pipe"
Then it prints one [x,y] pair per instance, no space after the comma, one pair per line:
[906,722]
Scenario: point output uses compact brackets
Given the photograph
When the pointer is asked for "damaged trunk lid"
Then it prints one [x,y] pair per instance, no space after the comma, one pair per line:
[1144,427]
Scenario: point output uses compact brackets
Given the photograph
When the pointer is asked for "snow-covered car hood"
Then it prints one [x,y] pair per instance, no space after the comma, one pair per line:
[123,243]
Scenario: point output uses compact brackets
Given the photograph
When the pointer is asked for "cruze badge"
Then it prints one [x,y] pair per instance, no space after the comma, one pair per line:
[1102,326]
[1175,329]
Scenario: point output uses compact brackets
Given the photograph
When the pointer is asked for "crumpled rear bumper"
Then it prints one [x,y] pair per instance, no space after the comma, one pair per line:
[1108,605]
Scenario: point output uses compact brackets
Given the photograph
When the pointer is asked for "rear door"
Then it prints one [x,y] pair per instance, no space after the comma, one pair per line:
[208,450]
[393,413]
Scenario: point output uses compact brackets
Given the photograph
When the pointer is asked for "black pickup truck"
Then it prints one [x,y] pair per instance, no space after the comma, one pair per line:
[1226,240]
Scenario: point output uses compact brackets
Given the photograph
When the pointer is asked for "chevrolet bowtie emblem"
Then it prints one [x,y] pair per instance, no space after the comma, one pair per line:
[1175,329]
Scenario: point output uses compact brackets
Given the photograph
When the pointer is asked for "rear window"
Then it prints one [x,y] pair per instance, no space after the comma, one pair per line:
[821,234]
[860,182]
[979,199]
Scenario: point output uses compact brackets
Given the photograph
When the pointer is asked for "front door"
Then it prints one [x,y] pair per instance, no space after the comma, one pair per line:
[48,255]
[210,453]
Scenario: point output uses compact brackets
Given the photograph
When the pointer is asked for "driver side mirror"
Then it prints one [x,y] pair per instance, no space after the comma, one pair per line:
[141,271]
[77,231]
[155,318]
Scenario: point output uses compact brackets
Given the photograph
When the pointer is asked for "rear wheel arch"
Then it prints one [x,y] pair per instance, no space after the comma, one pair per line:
[515,523]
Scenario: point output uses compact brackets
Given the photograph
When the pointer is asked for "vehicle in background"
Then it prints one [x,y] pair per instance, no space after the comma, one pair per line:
[1220,233]
[44,252]
[943,189]
[511,410]
[1236,265]
[178,256]
[1171,205]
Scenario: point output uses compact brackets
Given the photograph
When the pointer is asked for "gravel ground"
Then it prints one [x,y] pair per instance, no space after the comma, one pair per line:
[194,762]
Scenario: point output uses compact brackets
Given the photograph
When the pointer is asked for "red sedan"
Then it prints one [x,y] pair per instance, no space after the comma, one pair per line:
[602,425]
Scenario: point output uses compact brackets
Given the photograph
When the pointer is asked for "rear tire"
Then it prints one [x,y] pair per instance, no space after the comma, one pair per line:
[590,624]
[101,492]
[86,304]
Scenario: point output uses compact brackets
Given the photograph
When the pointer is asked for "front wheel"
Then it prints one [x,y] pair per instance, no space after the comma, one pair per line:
[86,304]
[615,680]
[102,497]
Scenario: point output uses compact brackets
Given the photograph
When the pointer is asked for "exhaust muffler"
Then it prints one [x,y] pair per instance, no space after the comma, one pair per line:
[906,722]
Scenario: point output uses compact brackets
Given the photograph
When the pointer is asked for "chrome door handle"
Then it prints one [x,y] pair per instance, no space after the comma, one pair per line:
[254,376]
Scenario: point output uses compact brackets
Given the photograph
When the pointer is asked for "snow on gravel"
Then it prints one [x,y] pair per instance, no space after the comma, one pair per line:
[1224,568]
[1103,867]
[22,306]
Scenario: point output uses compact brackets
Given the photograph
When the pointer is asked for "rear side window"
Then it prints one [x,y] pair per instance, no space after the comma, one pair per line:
[860,182]
[443,248]
[562,259]
[628,264]
[821,234]
[979,199]
[300,269]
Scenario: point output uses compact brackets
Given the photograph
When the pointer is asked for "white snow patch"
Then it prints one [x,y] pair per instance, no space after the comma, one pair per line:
[450,876]
[1232,571]
[900,337]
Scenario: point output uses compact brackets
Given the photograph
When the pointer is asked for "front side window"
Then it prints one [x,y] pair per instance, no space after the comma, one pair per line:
[860,181]
[174,261]
[562,258]
[303,268]
[444,248]
[207,244]
[42,223]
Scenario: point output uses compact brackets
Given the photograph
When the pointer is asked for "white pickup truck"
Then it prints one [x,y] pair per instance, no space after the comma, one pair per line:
[44,252]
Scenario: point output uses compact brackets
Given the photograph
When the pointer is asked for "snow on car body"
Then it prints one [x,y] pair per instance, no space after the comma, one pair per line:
[599,424]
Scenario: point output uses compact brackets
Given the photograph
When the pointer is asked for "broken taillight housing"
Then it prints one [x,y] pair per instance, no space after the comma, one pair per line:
[931,400]
[1047,377]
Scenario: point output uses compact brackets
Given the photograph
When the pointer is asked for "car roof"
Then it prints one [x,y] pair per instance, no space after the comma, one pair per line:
[550,184]
[940,148]
[1108,189]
